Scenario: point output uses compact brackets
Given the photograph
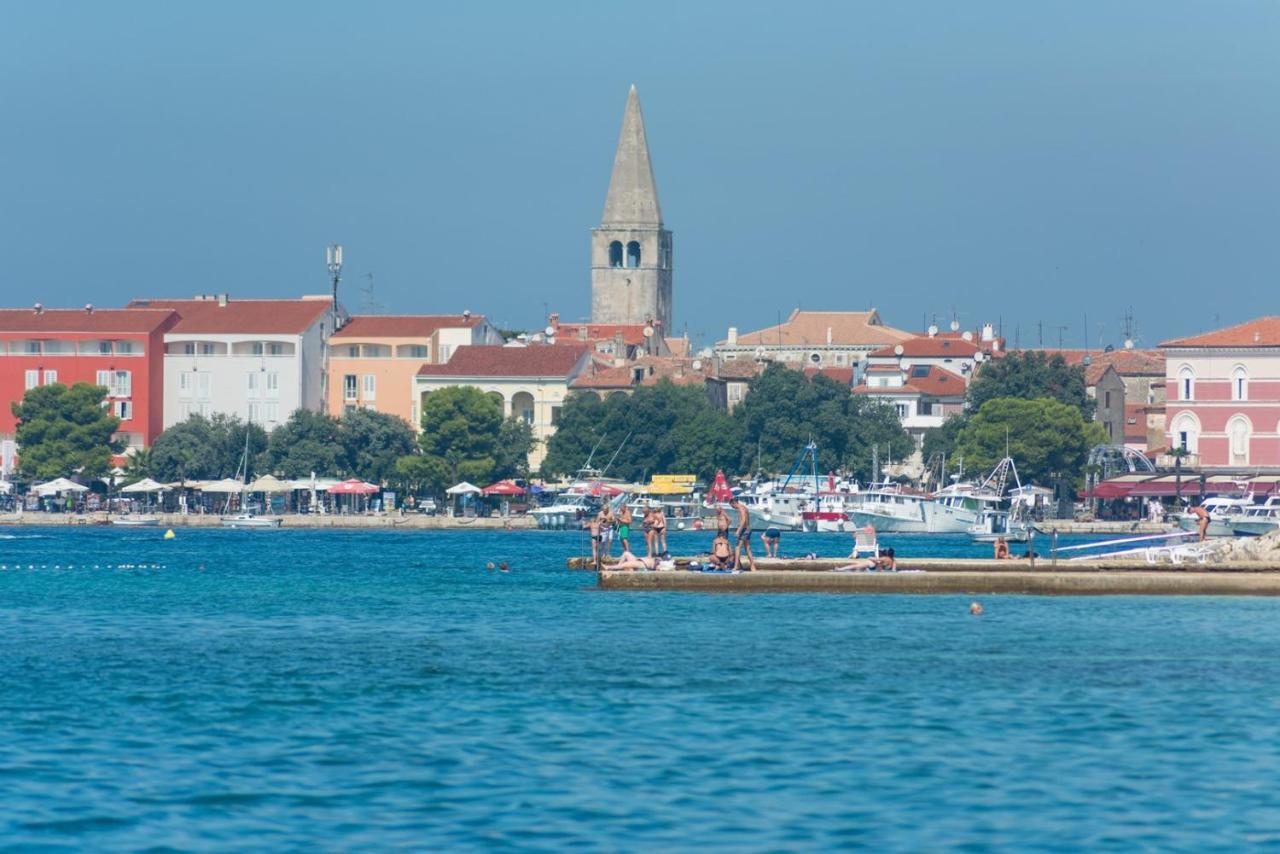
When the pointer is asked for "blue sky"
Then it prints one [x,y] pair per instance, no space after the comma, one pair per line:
[1026,162]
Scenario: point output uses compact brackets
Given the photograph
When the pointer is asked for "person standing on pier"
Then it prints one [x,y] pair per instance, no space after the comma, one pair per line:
[743,533]
[624,527]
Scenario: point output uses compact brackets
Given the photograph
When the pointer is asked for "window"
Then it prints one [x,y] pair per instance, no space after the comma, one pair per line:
[902,409]
[1187,383]
[419,352]
[206,348]
[445,351]
[555,416]
[121,384]
[256,348]
[33,348]
[1106,400]
[104,348]
[204,409]
[1238,435]
[370,387]
[255,413]
[615,254]
[1240,383]
[189,349]
[184,411]
[1185,433]
[123,409]
[251,383]
[273,413]
[349,387]
[204,389]
[103,378]
[186,381]
[353,351]
[32,379]
[275,349]
[124,348]
[633,254]
[273,383]
[50,377]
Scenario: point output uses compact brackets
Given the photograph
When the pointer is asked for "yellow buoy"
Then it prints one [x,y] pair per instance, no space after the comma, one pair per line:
[169,534]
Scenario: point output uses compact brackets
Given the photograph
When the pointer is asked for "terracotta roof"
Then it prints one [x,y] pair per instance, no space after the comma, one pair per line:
[739,369]
[493,360]
[935,382]
[404,326]
[241,316]
[678,346]
[1127,362]
[930,348]
[1262,332]
[580,333]
[848,328]
[123,321]
[884,369]
[840,375]
[604,377]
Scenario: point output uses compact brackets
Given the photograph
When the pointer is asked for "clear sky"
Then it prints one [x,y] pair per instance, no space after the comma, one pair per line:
[1034,162]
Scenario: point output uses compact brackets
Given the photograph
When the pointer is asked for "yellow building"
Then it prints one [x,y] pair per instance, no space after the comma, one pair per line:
[373,358]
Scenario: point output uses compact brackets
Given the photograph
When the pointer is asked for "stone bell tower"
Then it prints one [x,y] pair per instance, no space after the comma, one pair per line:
[630,250]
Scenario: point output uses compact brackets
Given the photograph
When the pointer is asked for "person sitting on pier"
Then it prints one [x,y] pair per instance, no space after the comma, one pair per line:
[1002,549]
[629,563]
[721,552]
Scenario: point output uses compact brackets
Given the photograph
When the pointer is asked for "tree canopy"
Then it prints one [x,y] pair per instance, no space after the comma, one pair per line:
[308,442]
[461,426]
[658,428]
[372,442]
[1048,440]
[203,448]
[64,431]
[1031,374]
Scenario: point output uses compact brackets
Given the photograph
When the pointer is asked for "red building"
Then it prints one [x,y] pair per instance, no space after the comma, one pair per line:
[122,349]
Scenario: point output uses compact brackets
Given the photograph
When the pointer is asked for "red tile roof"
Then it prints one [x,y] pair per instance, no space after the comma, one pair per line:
[938,382]
[604,377]
[1262,332]
[930,348]
[846,328]
[492,360]
[119,321]
[241,316]
[840,375]
[1127,362]
[580,333]
[404,326]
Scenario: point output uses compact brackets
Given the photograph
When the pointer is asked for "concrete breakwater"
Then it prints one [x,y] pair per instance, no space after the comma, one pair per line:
[310,522]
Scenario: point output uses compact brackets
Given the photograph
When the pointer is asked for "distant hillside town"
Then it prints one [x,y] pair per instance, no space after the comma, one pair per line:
[1208,402]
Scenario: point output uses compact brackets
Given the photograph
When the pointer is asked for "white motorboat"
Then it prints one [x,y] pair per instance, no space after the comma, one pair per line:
[1259,520]
[956,508]
[995,522]
[1223,512]
[250,520]
[567,511]
[137,520]
[890,510]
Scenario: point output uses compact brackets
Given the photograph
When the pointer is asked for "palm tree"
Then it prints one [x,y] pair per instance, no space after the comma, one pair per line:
[138,465]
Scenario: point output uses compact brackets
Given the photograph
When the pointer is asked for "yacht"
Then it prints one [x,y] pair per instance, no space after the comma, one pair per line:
[1259,519]
[137,520]
[1223,512]
[889,509]
[250,520]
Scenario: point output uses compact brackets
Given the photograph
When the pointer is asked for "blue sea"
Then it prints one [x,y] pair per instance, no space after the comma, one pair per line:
[284,690]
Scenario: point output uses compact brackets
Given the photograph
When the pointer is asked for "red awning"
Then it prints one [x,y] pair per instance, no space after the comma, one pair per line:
[503,487]
[1162,488]
[353,487]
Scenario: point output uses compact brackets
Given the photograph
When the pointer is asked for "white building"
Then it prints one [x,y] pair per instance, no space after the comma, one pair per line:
[258,360]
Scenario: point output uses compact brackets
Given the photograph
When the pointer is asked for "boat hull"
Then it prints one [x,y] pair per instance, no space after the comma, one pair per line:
[1255,529]
[252,523]
[887,524]
[942,519]
[137,522]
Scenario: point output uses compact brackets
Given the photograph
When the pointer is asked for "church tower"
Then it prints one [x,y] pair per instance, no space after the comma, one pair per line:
[631,251]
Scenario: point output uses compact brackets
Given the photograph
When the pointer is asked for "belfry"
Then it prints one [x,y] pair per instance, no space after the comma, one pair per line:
[630,250]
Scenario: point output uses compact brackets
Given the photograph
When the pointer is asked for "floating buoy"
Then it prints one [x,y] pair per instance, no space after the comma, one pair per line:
[169,534]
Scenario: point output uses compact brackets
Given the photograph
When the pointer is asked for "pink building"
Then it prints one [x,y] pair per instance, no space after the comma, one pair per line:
[1223,396]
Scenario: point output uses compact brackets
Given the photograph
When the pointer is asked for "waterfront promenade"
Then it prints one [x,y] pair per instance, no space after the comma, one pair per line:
[413,521]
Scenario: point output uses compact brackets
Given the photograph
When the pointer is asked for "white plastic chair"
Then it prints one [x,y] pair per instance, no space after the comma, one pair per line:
[864,540]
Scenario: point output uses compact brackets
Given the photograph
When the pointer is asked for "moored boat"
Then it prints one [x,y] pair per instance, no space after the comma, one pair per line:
[250,520]
[136,520]
[1259,520]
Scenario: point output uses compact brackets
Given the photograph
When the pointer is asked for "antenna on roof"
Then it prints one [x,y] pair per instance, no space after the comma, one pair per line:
[370,305]
[333,262]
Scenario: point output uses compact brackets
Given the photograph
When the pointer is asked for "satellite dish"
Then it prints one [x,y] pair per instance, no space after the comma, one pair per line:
[955,326]
[933,329]
[697,364]
[759,352]
[979,356]
[898,349]
[968,336]
[549,331]
[648,332]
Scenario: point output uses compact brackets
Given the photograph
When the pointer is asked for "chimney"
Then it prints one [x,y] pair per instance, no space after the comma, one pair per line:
[828,336]
[988,332]
[554,320]
[733,336]
[222,300]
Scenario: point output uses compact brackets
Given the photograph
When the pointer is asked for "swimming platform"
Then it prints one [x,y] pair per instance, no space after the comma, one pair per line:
[1110,577]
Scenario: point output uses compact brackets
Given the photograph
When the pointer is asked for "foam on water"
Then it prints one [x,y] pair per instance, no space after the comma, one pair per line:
[279,689]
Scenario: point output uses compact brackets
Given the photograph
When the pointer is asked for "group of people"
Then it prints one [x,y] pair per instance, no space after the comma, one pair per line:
[727,556]
[653,523]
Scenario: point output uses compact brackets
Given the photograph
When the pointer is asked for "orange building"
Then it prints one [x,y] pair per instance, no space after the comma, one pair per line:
[373,359]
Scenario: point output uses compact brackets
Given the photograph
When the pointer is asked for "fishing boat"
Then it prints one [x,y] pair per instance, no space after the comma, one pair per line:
[890,509]
[998,516]
[1259,520]
[994,523]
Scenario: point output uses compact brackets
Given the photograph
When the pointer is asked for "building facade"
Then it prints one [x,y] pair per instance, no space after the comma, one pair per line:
[258,360]
[631,250]
[373,359]
[120,349]
[530,382]
[1222,396]
[819,339]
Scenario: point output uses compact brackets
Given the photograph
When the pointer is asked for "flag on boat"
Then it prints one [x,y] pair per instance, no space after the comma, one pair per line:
[719,490]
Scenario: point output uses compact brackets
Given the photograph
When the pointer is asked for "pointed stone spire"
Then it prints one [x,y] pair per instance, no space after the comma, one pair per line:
[633,196]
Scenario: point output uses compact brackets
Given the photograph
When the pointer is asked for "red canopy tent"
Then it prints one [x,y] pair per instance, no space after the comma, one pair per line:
[719,490]
[353,487]
[602,488]
[502,487]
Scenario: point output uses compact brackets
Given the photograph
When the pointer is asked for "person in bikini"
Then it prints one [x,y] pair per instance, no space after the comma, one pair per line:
[743,535]
[629,563]
[659,531]
[721,552]
[646,525]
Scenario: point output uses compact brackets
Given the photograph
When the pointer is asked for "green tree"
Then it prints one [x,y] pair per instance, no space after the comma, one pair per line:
[941,441]
[580,430]
[308,442]
[137,465]
[874,425]
[459,439]
[373,442]
[64,431]
[1030,374]
[201,448]
[416,473]
[1048,440]
[511,456]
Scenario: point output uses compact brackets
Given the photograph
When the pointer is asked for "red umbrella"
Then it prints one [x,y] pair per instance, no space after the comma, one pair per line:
[601,488]
[503,487]
[353,487]
[719,490]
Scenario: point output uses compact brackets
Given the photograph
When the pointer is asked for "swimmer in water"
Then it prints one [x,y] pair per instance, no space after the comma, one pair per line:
[975,609]
[502,567]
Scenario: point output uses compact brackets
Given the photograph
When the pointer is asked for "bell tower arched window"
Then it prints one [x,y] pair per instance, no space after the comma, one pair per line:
[633,254]
[1186,383]
[615,254]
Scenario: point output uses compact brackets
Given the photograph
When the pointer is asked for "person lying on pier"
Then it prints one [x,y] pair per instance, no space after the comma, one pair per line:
[721,552]
[885,562]
[629,563]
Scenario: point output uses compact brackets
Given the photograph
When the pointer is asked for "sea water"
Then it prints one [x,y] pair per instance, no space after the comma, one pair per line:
[333,689]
